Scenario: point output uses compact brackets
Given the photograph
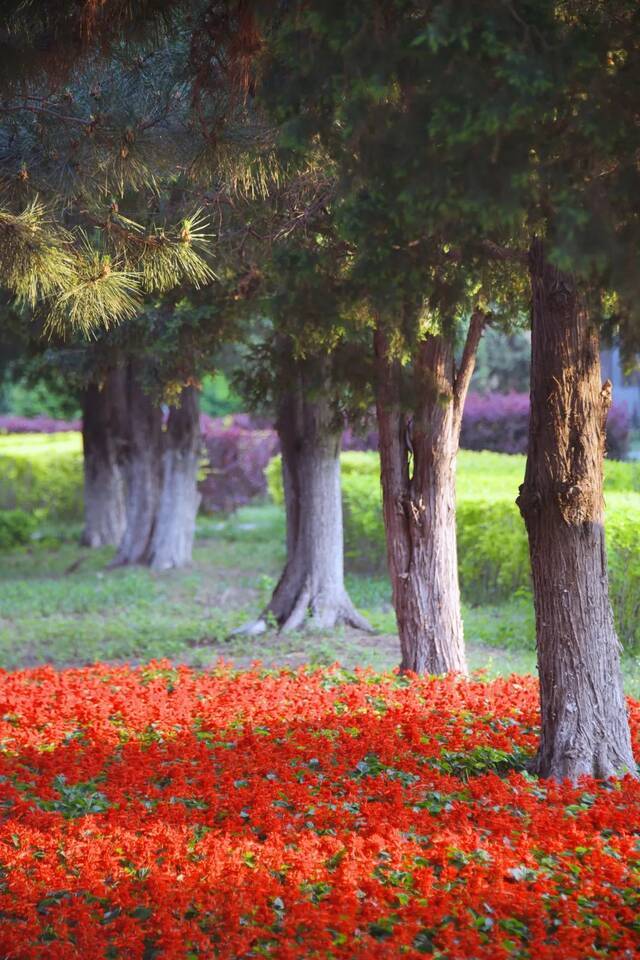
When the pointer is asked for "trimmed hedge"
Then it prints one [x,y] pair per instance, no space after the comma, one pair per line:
[492,544]
[42,472]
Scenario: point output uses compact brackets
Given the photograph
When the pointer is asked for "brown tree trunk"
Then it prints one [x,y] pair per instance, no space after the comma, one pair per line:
[143,470]
[172,540]
[104,495]
[583,714]
[311,587]
[418,473]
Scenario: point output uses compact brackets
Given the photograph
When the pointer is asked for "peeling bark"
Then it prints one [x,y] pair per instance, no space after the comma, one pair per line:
[174,530]
[142,470]
[418,469]
[104,495]
[583,713]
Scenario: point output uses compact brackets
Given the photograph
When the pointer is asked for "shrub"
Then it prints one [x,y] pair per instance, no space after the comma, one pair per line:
[500,422]
[237,454]
[42,472]
[11,423]
[16,528]
[493,557]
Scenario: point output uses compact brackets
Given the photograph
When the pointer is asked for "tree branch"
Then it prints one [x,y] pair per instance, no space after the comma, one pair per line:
[465,372]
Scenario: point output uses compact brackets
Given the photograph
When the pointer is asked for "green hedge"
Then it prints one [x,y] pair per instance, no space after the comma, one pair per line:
[16,528]
[43,472]
[492,543]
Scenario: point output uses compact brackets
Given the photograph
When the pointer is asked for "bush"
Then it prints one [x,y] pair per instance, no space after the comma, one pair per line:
[16,528]
[42,472]
[11,423]
[237,454]
[500,422]
[493,557]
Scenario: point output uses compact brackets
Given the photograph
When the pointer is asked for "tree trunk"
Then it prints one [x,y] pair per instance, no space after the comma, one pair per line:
[418,474]
[104,496]
[172,542]
[142,467]
[312,583]
[583,714]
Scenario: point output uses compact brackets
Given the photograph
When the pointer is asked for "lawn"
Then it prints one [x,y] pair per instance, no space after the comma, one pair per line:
[60,605]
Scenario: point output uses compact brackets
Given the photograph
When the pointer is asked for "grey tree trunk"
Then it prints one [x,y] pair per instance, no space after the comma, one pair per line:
[142,469]
[104,495]
[418,472]
[311,587]
[172,540]
[584,727]
[312,583]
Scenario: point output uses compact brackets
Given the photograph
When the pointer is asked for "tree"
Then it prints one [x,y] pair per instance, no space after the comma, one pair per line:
[584,720]
[357,90]
[299,367]
[104,417]
[418,465]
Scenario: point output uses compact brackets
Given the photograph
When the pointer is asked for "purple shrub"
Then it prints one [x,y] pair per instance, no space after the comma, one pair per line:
[495,421]
[9,423]
[237,452]
[500,422]
[618,427]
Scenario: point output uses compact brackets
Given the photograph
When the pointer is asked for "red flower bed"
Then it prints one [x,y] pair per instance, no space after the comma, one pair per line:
[163,813]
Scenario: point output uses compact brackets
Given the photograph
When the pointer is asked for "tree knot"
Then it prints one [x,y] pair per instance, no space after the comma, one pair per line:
[528,500]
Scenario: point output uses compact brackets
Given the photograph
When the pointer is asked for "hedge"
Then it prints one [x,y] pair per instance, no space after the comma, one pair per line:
[16,528]
[40,471]
[492,544]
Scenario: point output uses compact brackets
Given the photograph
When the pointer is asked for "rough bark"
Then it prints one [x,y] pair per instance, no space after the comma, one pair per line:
[172,540]
[142,469]
[584,727]
[311,587]
[104,495]
[418,472]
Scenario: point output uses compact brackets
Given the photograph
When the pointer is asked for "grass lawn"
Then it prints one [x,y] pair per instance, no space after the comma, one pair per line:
[58,604]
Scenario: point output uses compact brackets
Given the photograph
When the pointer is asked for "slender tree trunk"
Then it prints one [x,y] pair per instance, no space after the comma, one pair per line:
[172,541]
[312,583]
[418,472]
[143,469]
[584,720]
[104,496]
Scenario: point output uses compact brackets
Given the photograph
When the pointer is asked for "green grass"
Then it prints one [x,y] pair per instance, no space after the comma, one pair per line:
[60,605]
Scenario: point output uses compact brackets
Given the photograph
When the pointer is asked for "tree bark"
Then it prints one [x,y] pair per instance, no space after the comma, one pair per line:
[584,727]
[172,540]
[104,495]
[312,583]
[142,469]
[418,473]
[311,587]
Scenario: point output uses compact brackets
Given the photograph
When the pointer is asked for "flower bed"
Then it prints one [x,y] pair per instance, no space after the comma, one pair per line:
[163,813]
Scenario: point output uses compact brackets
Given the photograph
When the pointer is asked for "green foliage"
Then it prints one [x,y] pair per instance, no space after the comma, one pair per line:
[16,528]
[42,472]
[493,559]
[502,362]
[49,397]
[217,397]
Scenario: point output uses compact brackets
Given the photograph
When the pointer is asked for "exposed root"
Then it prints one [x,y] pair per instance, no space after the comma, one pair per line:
[298,613]
[253,628]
